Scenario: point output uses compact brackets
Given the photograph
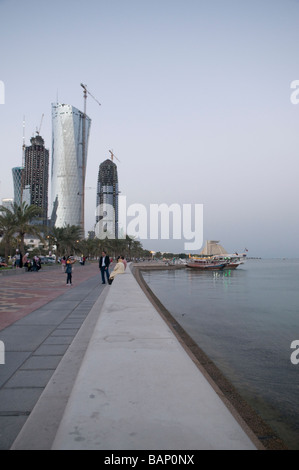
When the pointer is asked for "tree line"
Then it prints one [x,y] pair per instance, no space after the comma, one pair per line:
[18,221]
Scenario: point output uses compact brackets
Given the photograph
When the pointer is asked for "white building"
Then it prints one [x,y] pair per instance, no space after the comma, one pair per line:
[8,203]
[69,160]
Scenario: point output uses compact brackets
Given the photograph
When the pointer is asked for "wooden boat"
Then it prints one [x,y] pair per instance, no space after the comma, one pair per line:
[204,263]
[213,252]
[231,261]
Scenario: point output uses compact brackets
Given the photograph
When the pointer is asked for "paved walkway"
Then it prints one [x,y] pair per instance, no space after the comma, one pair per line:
[96,367]
[138,388]
[23,292]
[39,319]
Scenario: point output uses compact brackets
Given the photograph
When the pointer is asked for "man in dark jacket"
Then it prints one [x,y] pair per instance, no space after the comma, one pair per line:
[104,266]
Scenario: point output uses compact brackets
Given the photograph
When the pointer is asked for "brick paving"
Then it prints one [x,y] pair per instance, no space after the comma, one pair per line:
[39,319]
[22,293]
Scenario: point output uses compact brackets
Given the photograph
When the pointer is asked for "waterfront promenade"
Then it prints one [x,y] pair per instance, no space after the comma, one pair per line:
[39,318]
[96,367]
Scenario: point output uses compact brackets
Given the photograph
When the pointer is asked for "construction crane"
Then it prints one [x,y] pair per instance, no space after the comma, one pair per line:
[84,152]
[87,91]
[38,131]
[113,156]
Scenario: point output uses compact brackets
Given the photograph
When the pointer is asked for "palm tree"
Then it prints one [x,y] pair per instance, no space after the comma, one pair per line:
[65,238]
[73,234]
[136,249]
[90,247]
[56,236]
[7,226]
[22,217]
[116,246]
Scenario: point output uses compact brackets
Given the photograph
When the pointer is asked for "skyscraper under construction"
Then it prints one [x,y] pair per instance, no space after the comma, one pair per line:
[36,174]
[107,200]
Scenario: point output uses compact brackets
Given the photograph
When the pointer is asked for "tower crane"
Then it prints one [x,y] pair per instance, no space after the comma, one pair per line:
[113,156]
[85,91]
[38,131]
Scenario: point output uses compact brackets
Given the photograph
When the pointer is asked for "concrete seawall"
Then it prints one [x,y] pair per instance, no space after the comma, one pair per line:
[247,416]
[137,388]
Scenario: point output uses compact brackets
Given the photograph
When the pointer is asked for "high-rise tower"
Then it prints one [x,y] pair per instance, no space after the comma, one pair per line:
[69,158]
[107,199]
[36,174]
[17,175]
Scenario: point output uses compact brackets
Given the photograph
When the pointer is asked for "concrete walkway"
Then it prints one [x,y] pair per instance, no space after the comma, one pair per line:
[134,388]
[37,335]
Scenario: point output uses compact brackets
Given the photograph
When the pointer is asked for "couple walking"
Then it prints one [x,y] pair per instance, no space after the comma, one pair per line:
[104,266]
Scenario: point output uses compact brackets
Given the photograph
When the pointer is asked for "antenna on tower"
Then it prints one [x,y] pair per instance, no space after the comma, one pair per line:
[23,146]
[23,161]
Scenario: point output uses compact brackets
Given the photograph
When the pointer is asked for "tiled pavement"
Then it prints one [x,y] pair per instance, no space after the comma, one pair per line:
[39,318]
[23,292]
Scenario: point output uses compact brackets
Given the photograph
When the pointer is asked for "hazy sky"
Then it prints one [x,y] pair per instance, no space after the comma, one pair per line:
[195,103]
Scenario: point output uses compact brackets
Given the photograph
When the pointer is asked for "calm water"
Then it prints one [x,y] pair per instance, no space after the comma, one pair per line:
[245,321]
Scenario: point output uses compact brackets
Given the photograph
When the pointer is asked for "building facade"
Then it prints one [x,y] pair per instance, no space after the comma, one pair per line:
[7,203]
[70,134]
[107,200]
[17,175]
[36,175]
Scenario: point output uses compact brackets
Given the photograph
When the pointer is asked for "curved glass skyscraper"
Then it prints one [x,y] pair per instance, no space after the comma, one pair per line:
[70,133]
[17,175]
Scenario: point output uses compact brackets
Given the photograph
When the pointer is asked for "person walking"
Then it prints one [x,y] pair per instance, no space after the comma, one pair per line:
[18,259]
[63,264]
[26,262]
[36,264]
[69,270]
[104,266]
[119,269]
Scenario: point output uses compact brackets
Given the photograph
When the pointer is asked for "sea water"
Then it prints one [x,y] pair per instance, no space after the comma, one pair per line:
[245,320]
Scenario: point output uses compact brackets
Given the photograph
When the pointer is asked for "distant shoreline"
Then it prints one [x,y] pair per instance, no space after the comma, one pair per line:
[264,437]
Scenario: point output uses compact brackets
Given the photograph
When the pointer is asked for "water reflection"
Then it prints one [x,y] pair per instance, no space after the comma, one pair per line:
[245,320]
[226,276]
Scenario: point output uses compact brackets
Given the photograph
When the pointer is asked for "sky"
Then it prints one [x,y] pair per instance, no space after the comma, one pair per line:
[196,104]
